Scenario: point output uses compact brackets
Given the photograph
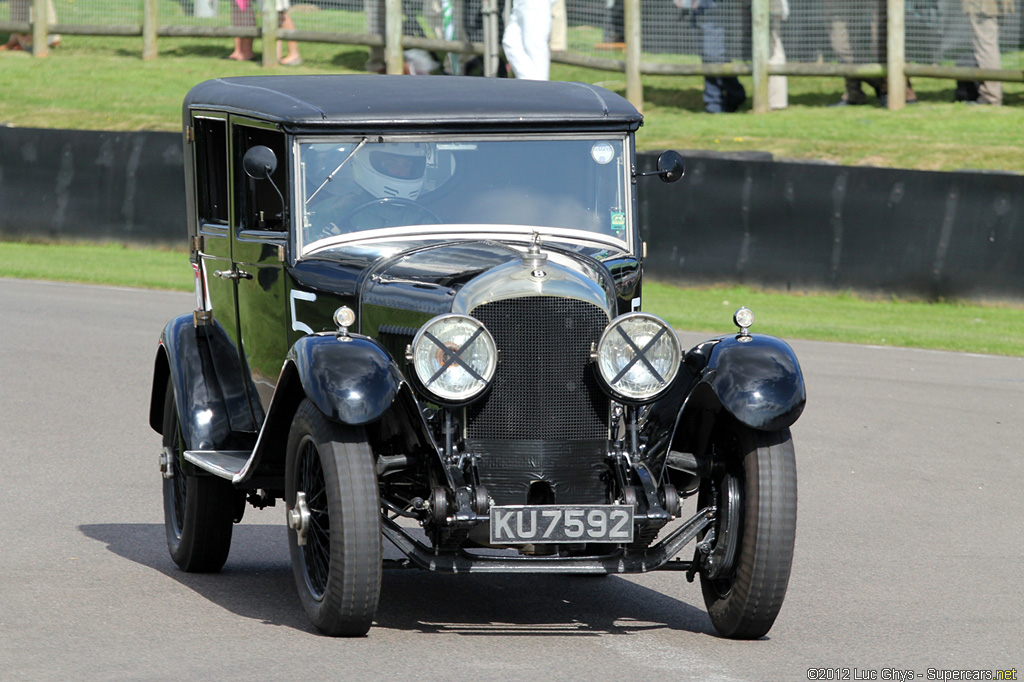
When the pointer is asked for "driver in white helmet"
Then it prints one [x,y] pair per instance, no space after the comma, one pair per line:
[392,169]
[388,178]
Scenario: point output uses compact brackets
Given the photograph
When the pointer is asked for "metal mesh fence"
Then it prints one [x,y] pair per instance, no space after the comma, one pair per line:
[98,12]
[673,31]
[327,16]
[812,31]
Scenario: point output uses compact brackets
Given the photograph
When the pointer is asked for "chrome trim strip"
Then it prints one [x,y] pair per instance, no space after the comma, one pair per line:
[476,231]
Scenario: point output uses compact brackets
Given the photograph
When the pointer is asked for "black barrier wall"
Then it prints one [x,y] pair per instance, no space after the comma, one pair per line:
[68,184]
[802,225]
[740,219]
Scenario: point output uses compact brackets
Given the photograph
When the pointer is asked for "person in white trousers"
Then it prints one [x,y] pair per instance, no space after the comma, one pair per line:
[526,39]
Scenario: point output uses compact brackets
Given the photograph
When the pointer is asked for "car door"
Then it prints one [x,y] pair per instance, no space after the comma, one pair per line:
[217,296]
[259,233]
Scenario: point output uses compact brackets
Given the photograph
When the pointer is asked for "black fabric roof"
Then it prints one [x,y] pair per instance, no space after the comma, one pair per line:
[357,102]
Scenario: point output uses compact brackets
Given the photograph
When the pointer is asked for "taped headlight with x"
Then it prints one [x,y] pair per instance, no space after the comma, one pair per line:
[454,357]
[638,356]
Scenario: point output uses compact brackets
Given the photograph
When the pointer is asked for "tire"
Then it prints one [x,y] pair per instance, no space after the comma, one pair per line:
[198,510]
[338,570]
[745,593]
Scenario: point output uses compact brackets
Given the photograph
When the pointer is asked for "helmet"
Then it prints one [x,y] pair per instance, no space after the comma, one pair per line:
[391,169]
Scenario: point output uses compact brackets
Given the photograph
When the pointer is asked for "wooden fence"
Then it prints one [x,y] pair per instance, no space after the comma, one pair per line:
[895,70]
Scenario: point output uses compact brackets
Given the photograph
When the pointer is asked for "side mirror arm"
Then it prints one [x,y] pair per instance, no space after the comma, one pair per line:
[670,167]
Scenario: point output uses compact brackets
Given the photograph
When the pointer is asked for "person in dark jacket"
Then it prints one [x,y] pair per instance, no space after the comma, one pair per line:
[722,94]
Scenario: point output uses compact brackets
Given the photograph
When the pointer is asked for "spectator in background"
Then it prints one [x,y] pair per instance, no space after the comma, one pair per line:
[955,43]
[21,11]
[614,22]
[844,16]
[243,13]
[722,94]
[527,39]
[984,18]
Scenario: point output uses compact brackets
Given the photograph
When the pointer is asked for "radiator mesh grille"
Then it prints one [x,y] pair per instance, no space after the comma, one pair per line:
[544,387]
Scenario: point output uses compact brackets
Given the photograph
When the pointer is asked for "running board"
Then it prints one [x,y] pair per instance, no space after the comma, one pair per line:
[222,463]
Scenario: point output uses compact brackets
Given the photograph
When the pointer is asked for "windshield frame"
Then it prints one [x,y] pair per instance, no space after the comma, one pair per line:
[463,230]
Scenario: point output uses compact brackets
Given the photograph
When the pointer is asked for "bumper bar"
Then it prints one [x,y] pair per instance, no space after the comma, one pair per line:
[621,560]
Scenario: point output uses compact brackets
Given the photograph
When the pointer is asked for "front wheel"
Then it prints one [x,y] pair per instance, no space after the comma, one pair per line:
[745,573]
[334,523]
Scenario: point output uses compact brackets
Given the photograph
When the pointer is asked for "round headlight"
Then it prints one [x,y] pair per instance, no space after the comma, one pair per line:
[743,318]
[454,357]
[638,356]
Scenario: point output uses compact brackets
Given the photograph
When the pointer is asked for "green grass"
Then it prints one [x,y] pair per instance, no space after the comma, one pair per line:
[845,317]
[993,329]
[101,83]
[108,264]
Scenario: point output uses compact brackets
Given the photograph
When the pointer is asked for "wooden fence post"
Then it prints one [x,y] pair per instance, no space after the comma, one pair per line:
[492,41]
[634,38]
[895,47]
[40,29]
[149,24]
[269,33]
[760,27]
[394,59]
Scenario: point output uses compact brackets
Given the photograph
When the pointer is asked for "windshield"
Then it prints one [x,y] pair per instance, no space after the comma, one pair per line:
[349,188]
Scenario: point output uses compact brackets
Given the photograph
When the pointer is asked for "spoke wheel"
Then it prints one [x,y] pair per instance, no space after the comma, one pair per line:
[334,523]
[198,510]
[745,575]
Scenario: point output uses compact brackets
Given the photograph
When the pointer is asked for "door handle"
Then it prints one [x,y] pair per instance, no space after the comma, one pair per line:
[232,274]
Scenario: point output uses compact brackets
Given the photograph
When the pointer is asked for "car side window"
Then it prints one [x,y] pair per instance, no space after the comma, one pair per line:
[211,159]
[259,207]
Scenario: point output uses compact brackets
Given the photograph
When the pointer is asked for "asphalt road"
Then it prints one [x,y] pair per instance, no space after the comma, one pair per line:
[909,543]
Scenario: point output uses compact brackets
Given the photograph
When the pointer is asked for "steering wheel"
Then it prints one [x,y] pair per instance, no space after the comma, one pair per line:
[396,205]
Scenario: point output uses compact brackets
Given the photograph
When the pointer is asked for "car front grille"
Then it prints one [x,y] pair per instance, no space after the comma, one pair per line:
[545,419]
[544,387]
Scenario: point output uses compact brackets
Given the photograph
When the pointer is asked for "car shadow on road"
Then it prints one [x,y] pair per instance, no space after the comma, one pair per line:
[257,583]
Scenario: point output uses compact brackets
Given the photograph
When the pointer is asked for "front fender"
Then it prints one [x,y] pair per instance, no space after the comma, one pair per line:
[352,379]
[212,401]
[756,379]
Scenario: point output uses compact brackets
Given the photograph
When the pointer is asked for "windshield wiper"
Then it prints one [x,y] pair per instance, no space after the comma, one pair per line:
[335,171]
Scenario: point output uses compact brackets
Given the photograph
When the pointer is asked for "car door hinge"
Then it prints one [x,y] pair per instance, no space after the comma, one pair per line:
[189,134]
[196,243]
[201,318]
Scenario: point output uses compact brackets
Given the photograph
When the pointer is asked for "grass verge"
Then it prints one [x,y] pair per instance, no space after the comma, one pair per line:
[101,83]
[108,264]
[993,329]
[996,329]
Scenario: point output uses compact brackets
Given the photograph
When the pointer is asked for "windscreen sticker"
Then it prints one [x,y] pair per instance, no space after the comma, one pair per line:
[618,223]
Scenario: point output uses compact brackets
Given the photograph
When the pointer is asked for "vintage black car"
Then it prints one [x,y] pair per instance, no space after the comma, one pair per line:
[418,317]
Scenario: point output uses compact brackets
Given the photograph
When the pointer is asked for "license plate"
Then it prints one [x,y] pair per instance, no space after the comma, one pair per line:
[534,524]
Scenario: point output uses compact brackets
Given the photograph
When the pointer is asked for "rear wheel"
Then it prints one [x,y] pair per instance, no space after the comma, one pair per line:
[745,575]
[334,523]
[198,510]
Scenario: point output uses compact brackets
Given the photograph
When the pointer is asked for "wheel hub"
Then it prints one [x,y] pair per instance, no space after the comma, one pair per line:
[166,462]
[299,518]
[722,555]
